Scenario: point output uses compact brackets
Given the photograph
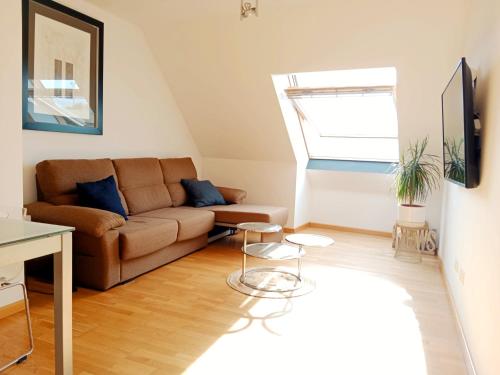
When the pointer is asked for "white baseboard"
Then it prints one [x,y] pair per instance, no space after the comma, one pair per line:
[469,362]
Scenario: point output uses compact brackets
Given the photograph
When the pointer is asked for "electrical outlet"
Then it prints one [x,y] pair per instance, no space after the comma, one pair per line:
[461,276]
[457,266]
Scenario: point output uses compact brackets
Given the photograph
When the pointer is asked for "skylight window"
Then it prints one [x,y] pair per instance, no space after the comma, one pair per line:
[348,114]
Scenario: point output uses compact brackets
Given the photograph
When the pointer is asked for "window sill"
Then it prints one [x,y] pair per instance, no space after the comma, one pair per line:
[351,166]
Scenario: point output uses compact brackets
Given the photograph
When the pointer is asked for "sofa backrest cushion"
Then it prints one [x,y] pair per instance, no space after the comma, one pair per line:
[141,182]
[56,179]
[174,170]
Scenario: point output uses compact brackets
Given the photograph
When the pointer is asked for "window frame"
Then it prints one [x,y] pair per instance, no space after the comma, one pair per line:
[294,92]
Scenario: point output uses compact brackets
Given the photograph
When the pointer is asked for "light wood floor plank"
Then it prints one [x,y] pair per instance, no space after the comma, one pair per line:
[370,314]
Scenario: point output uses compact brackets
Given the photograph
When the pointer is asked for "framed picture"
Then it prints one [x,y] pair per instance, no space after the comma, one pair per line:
[62,69]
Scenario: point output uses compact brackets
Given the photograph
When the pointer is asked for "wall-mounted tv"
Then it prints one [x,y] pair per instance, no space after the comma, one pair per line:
[460,137]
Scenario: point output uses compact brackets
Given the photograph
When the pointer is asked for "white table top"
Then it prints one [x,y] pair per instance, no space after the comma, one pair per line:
[305,239]
[259,227]
[15,231]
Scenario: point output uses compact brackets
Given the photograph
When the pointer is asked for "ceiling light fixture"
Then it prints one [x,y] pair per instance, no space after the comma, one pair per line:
[249,8]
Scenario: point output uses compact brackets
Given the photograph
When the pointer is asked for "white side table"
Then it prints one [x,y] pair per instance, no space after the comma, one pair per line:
[256,278]
[23,240]
[408,240]
[273,281]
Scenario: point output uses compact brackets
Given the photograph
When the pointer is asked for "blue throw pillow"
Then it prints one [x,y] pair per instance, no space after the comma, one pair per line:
[202,193]
[101,194]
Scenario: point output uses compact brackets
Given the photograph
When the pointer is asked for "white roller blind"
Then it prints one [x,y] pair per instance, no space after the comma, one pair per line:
[347,122]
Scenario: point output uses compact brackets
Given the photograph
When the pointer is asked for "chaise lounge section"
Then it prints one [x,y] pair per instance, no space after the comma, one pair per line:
[161,226]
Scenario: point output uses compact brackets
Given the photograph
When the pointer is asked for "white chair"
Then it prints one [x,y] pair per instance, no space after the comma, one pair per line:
[8,281]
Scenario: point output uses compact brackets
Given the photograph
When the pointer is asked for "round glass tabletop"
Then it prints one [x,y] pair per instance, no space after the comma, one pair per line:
[259,227]
[273,251]
[314,240]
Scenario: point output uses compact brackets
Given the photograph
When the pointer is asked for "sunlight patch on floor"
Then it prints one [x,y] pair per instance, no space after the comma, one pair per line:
[353,323]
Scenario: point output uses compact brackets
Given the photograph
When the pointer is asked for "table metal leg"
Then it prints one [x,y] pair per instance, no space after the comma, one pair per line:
[24,356]
[398,239]
[299,264]
[244,259]
[63,326]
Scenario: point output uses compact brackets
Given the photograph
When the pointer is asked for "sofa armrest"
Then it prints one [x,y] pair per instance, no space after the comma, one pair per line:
[87,220]
[232,195]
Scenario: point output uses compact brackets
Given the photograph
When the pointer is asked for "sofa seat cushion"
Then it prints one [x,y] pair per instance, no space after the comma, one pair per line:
[192,222]
[142,235]
[241,213]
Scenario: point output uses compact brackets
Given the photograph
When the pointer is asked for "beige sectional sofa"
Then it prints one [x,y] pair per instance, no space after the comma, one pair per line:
[161,227]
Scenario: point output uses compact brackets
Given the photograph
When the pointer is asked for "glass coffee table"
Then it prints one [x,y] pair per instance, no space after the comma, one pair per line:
[312,240]
[273,282]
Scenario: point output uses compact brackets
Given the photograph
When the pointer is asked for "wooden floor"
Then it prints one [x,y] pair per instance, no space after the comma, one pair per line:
[370,314]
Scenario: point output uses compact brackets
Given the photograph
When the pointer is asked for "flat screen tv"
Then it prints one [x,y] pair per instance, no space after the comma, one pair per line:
[460,137]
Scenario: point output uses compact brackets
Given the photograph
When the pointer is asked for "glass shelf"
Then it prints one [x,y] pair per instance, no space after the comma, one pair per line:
[259,227]
[274,251]
[313,240]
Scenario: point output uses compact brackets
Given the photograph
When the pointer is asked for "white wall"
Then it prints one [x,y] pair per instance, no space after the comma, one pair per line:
[141,118]
[470,228]
[219,69]
[11,183]
[10,106]
[301,199]
[351,199]
[233,61]
[271,183]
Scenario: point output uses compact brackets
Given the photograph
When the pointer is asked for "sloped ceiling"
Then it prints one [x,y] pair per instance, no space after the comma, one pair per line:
[219,68]
[212,62]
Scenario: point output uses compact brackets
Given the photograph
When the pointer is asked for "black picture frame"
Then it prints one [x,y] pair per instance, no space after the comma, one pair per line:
[60,120]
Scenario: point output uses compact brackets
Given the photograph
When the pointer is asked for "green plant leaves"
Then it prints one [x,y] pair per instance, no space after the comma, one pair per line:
[417,174]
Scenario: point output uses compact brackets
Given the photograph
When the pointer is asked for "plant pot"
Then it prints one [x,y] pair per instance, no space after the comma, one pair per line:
[414,214]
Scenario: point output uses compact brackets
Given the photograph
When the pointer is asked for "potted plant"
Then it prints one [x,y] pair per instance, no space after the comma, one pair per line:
[416,175]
